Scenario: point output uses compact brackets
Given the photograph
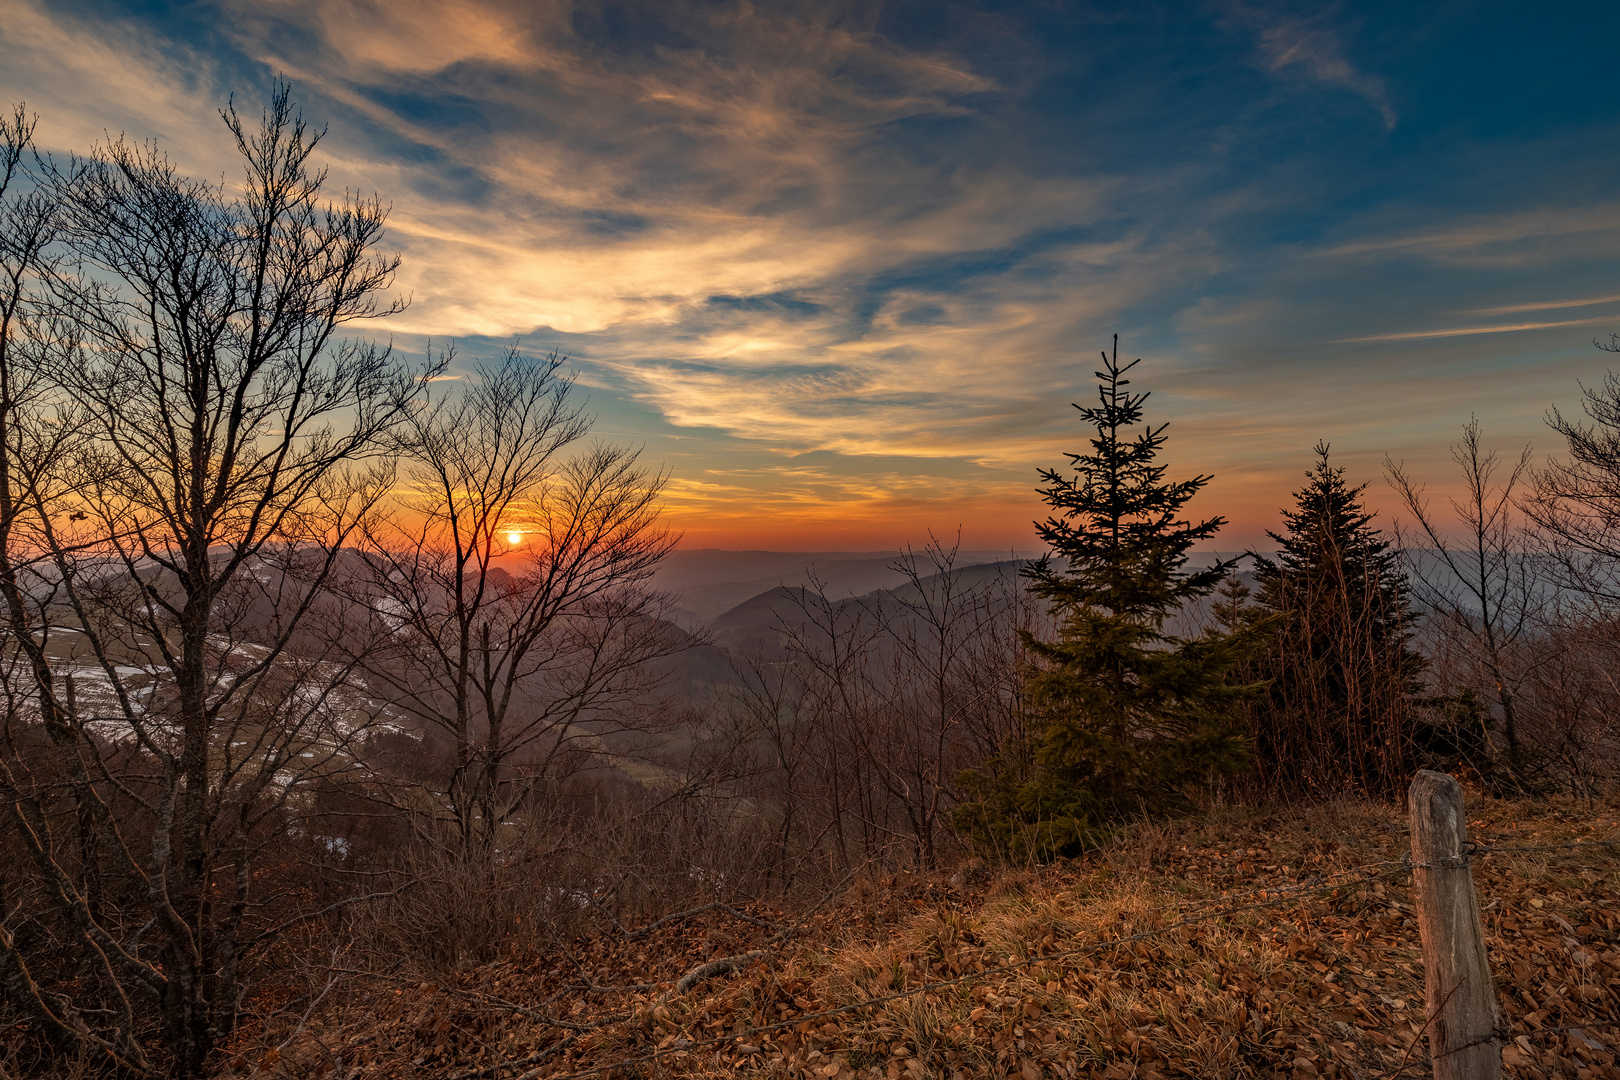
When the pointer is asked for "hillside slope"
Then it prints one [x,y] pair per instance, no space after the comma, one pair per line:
[1239,944]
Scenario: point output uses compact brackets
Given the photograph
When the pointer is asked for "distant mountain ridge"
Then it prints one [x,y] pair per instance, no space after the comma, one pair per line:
[708,582]
[756,624]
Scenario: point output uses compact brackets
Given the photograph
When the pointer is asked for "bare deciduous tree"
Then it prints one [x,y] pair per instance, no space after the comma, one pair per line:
[880,701]
[1488,591]
[186,376]
[947,685]
[1570,698]
[513,582]
[1576,502]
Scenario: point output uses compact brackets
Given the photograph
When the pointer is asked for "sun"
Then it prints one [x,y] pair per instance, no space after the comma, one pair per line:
[514,538]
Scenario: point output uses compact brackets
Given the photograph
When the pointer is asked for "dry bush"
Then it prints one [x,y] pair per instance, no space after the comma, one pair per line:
[581,858]
[1571,701]
[872,707]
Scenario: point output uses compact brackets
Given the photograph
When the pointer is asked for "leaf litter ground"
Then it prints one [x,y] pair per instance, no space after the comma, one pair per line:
[1318,974]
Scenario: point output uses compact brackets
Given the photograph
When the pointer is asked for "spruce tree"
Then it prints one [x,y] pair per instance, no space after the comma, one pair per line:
[1342,670]
[1124,717]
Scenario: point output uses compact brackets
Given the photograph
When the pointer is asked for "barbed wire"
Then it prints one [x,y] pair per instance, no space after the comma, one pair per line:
[1471,849]
[1520,849]
[1383,869]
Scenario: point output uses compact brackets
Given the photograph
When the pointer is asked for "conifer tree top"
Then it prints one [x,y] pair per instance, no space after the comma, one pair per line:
[1117,522]
[1328,542]
[1327,511]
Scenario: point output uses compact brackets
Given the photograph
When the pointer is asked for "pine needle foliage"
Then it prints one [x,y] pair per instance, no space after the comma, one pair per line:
[1126,718]
[1340,712]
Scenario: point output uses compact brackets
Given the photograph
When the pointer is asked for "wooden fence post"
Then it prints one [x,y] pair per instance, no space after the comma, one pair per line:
[1459,998]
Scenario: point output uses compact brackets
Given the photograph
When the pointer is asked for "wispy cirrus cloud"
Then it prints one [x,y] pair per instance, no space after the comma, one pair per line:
[846,263]
[718,229]
[1316,51]
[1469,331]
[1517,239]
[92,77]
[1546,305]
[712,223]
[1310,47]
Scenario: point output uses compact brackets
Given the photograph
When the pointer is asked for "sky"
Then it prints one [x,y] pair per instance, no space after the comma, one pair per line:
[840,268]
